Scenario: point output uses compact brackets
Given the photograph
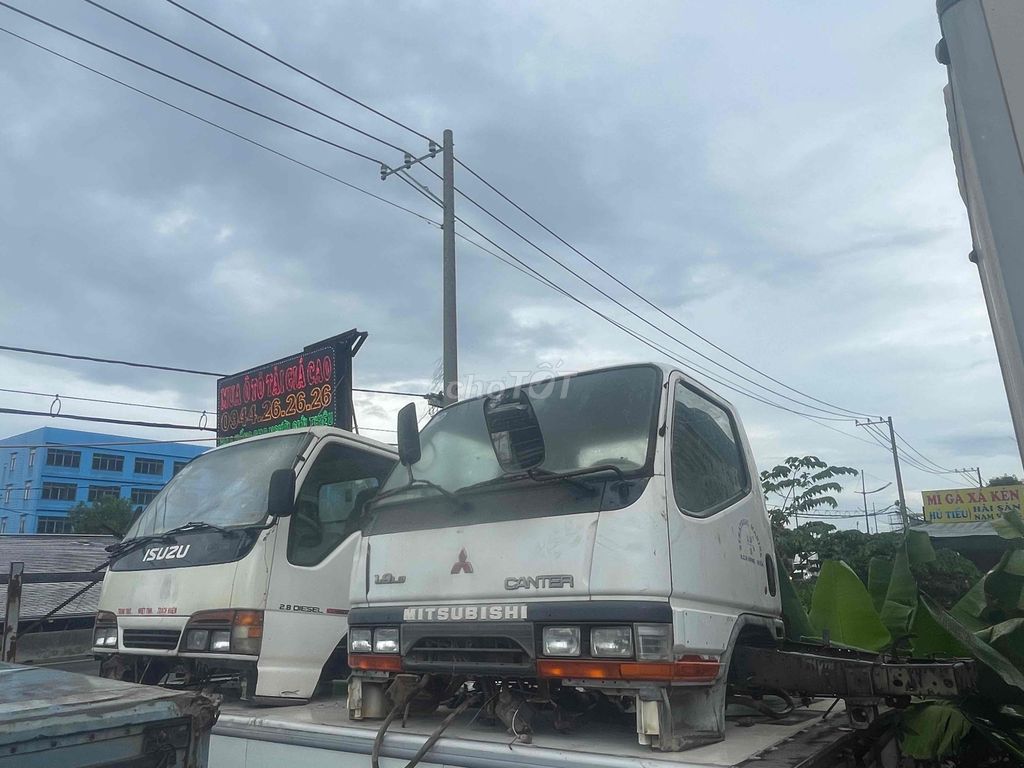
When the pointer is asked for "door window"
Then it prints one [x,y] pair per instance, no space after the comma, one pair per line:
[708,469]
[329,507]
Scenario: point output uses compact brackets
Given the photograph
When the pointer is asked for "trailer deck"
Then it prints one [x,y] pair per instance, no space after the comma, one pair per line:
[321,734]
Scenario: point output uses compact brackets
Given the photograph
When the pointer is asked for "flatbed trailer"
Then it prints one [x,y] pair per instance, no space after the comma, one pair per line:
[320,734]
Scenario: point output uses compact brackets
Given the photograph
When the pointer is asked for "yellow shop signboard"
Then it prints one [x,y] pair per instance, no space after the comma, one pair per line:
[971,505]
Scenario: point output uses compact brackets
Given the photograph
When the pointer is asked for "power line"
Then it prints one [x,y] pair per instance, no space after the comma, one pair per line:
[658,348]
[173,369]
[235,72]
[925,458]
[640,296]
[226,130]
[296,69]
[504,224]
[635,314]
[104,420]
[118,443]
[194,87]
[576,274]
[57,397]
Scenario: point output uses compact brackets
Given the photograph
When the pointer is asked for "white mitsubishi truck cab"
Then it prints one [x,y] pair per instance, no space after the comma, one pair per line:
[599,539]
[239,567]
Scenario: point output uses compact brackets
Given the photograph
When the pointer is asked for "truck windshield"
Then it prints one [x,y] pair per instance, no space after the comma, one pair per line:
[590,419]
[227,487]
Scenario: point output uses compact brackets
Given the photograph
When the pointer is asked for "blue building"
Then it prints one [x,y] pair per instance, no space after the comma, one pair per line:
[45,472]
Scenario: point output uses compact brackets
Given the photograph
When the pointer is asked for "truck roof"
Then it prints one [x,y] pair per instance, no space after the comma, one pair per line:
[326,728]
[319,433]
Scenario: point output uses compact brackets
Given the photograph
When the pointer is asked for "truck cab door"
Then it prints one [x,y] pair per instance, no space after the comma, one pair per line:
[307,602]
[720,539]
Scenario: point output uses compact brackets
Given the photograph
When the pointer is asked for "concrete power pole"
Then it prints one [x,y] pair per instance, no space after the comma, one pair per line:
[864,493]
[896,463]
[450,343]
[899,476]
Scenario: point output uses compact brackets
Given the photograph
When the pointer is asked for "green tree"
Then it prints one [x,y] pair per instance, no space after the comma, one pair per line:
[1004,480]
[801,484]
[108,515]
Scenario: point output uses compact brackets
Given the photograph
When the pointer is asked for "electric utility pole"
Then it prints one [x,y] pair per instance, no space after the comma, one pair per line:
[449,305]
[865,493]
[896,463]
[968,470]
[450,360]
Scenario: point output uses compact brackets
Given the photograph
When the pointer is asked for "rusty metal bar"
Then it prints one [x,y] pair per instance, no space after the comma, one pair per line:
[831,671]
[13,612]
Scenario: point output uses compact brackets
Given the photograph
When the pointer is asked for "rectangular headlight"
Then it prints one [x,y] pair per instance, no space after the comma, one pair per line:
[561,641]
[359,641]
[105,637]
[654,642]
[220,640]
[197,639]
[385,640]
[613,642]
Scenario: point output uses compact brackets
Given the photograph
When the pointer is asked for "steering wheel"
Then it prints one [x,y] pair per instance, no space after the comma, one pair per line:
[307,529]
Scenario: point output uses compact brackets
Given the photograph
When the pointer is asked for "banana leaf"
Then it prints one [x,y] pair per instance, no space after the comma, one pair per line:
[932,730]
[897,612]
[879,574]
[798,626]
[841,604]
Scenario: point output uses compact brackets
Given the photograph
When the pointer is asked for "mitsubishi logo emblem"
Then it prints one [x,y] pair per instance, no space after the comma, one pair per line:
[462,565]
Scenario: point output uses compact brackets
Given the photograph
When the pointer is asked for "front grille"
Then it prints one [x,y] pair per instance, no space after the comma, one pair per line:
[468,652]
[157,639]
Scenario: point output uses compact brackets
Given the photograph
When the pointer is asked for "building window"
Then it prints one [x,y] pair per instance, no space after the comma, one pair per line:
[7,494]
[57,457]
[3,525]
[142,496]
[708,469]
[28,490]
[54,525]
[107,462]
[149,466]
[31,457]
[59,491]
[178,466]
[100,492]
[14,461]
[21,524]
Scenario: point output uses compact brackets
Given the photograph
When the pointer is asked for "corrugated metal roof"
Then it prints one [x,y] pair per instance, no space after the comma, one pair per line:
[56,553]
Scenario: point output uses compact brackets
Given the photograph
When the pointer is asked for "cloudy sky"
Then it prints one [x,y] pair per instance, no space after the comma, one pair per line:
[777,176]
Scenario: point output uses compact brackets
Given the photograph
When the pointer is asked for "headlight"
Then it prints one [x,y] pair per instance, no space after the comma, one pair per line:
[654,642]
[561,641]
[385,640]
[105,632]
[197,639]
[359,641]
[224,631]
[105,637]
[220,640]
[614,642]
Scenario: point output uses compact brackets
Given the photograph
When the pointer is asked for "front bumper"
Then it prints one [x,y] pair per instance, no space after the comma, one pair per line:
[465,640]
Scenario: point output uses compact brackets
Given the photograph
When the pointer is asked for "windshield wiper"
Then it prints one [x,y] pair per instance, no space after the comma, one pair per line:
[417,483]
[124,547]
[547,476]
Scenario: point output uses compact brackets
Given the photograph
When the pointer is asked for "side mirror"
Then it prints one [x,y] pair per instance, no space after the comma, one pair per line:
[408,436]
[281,496]
[515,432]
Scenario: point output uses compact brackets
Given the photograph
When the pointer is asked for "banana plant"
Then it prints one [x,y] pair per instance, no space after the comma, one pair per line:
[892,612]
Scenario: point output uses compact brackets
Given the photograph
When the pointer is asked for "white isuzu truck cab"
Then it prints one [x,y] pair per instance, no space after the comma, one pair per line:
[597,539]
[240,566]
